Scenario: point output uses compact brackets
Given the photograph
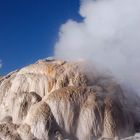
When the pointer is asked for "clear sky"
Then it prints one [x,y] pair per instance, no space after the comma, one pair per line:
[29,29]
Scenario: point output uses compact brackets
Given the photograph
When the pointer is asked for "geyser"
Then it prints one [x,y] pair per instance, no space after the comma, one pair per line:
[109,35]
[53,100]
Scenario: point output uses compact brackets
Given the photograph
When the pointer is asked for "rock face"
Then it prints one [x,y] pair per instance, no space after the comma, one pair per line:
[135,137]
[57,100]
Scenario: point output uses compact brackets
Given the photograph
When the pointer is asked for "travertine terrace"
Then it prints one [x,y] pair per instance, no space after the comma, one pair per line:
[57,100]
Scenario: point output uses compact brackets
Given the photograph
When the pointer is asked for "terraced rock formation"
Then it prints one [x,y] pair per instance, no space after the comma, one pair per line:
[57,100]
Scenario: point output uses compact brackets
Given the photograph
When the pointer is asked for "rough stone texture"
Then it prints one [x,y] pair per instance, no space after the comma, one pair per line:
[57,100]
[8,131]
[135,137]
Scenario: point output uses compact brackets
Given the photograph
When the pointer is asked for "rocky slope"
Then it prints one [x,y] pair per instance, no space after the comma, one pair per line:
[57,100]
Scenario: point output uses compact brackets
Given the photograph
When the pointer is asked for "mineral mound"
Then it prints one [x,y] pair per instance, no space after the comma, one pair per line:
[58,100]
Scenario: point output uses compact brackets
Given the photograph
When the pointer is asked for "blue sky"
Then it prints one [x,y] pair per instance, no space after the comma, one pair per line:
[29,29]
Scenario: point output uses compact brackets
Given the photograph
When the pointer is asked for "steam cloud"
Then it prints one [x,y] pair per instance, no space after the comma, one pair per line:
[0,63]
[109,35]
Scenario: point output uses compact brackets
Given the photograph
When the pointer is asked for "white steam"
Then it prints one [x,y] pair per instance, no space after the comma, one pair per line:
[0,63]
[109,35]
